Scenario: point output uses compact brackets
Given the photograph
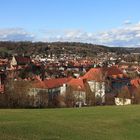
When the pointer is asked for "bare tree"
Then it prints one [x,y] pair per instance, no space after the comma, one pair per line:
[16,94]
[136,96]
[90,96]
[110,99]
[70,99]
[124,94]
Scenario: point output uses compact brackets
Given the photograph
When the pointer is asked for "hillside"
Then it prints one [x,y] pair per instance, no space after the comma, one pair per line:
[83,49]
[29,48]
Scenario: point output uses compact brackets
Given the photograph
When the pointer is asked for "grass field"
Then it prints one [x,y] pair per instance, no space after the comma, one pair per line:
[95,123]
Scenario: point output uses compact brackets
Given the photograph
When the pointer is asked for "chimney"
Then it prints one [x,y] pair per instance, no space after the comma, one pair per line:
[84,81]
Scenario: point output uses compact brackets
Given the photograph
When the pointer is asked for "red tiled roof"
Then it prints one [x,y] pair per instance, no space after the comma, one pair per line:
[51,83]
[135,82]
[39,84]
[92,74]
[23,60]
[97,73]
[77,84]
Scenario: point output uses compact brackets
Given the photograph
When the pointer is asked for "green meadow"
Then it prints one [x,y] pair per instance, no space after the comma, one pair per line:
[93,123]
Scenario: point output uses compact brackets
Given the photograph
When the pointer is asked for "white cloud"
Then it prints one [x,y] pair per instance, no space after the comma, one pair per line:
[125,36]
[15,34]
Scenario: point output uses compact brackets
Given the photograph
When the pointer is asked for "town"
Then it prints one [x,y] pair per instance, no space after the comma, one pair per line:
[69,69]
[67,79]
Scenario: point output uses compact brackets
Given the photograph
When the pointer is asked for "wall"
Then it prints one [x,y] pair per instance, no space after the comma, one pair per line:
[121,101]
[98,88]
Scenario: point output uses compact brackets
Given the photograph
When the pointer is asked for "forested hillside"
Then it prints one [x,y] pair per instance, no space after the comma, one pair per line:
[83,49]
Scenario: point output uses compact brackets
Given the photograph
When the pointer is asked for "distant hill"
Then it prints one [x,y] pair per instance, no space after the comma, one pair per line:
[83,49]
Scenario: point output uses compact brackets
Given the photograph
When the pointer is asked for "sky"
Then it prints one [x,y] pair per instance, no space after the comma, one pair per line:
[105,22]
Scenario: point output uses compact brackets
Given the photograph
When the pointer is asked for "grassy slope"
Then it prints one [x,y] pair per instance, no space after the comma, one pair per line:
[97,123]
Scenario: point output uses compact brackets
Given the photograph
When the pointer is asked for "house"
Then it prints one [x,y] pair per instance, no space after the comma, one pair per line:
[20,60]
[78,90]
[105,80]
[16,64]
[124,97]
[121,101]
[131,93]
[54,86]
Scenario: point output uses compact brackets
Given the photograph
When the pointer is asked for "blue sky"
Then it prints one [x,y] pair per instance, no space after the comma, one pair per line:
[108,22]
